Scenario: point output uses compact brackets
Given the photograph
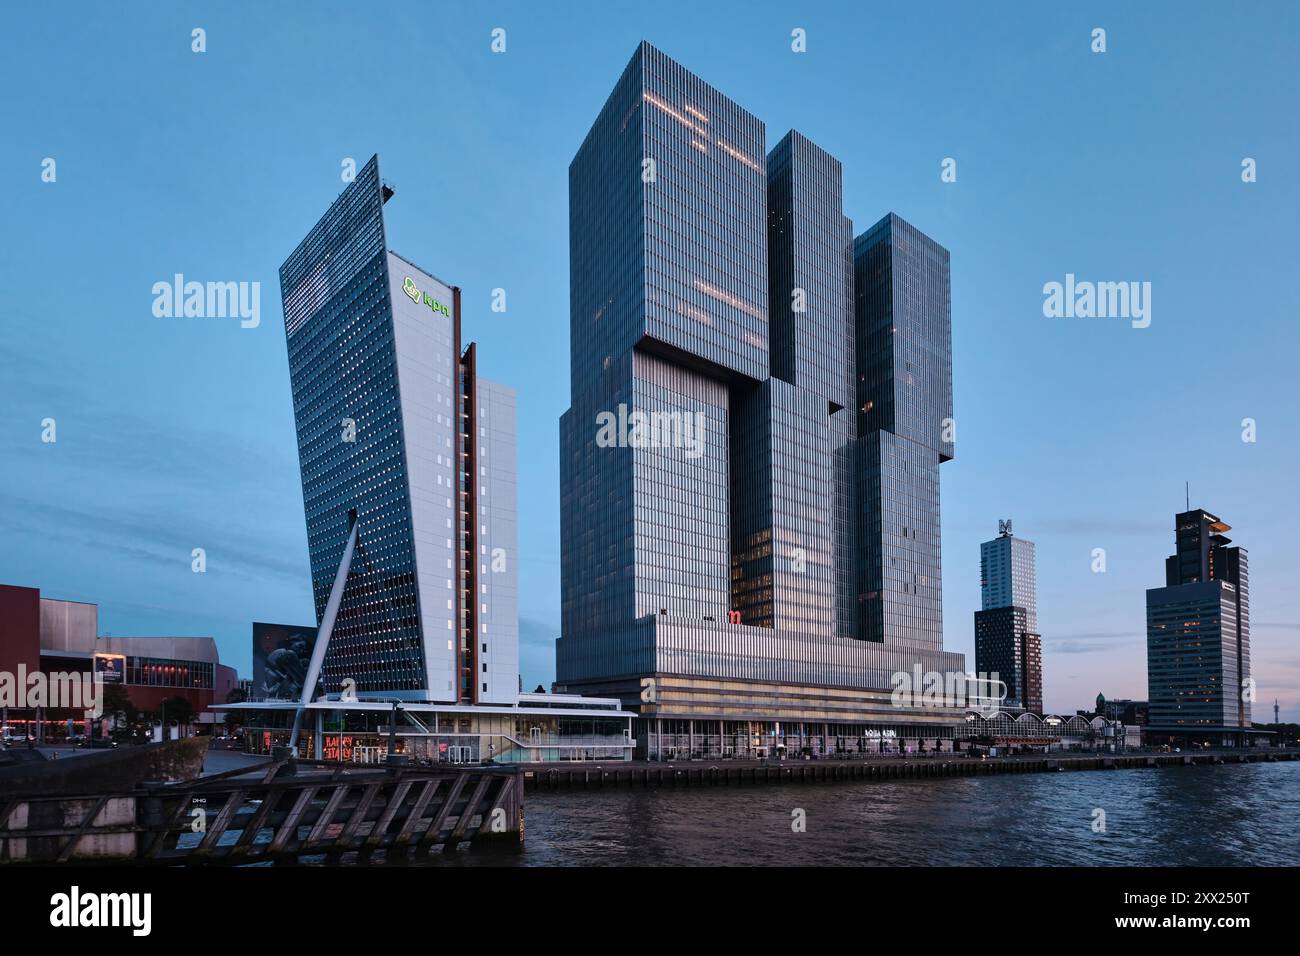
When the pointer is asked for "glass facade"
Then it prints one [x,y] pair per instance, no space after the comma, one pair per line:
[903,329]
[810,258]
[1032,731]
[1191,656]
[339,326]
[713,283]
[457,737]
[1198,632]
[668,262]
[903,320]
[902,589]
[159,672]
[1007,576]
[682,739]
[811,277]
[395,426]
[781,553]
[705,259]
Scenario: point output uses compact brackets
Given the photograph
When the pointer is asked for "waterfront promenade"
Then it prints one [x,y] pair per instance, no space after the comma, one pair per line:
[641,774]
[595,775]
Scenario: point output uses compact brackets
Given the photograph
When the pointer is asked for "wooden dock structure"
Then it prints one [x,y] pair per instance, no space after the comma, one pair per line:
[282,812]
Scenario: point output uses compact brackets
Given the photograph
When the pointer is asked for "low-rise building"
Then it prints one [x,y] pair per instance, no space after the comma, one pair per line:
[60,640]
[1003,732]
[539,728]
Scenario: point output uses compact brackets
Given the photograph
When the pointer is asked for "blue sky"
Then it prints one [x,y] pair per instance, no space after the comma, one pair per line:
[1126,165]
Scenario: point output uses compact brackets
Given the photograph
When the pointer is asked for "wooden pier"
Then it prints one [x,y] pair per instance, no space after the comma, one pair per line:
[282,812]
[737,773]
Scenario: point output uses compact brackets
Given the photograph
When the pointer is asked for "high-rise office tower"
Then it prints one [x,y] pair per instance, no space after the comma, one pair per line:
[408,481]
[903,320]
[749,468]
[1007,639]
[399,434]
[1198,637]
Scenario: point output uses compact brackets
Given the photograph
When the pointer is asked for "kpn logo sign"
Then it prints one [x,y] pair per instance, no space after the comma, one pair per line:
[412,290]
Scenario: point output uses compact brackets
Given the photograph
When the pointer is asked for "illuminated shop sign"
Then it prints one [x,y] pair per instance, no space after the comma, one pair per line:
[338,748]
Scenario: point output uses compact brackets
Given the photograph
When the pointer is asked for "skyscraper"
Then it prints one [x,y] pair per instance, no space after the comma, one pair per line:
[1198,638]
[408,478]
[1008,577]
[1007,640]
[903,325]
[757,554]
[397,431]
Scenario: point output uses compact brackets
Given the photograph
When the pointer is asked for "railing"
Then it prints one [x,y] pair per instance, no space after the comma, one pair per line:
[284,812]
[554,740]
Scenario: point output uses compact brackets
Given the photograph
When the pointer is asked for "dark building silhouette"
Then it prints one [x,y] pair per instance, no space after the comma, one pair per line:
[1198,638]
[1132,713]
[1005,646]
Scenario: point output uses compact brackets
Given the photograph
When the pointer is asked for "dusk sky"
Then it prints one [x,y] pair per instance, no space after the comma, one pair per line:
[1126,165]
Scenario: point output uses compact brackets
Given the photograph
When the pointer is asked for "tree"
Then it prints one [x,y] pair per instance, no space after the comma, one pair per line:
[178,709]
[116,703]
[237,695]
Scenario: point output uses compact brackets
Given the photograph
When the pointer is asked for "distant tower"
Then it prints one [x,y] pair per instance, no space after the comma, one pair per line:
[1007,640]
[1198,636]
[1276,719]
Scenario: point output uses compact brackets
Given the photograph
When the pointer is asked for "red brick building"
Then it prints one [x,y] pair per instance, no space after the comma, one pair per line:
[53,636]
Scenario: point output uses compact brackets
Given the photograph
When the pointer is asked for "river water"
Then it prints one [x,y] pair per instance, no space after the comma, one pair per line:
[1217,815]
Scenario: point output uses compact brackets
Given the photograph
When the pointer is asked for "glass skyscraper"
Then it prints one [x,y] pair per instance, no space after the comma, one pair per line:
[757,554]
[1198,637]
[1008,643]
[1008,576]
[903,327]
[408,460]
[397,432]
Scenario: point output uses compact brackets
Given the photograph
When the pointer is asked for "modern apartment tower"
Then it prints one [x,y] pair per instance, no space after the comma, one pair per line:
[408,477]
[1007,640]
[757,554]
[1198,638]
